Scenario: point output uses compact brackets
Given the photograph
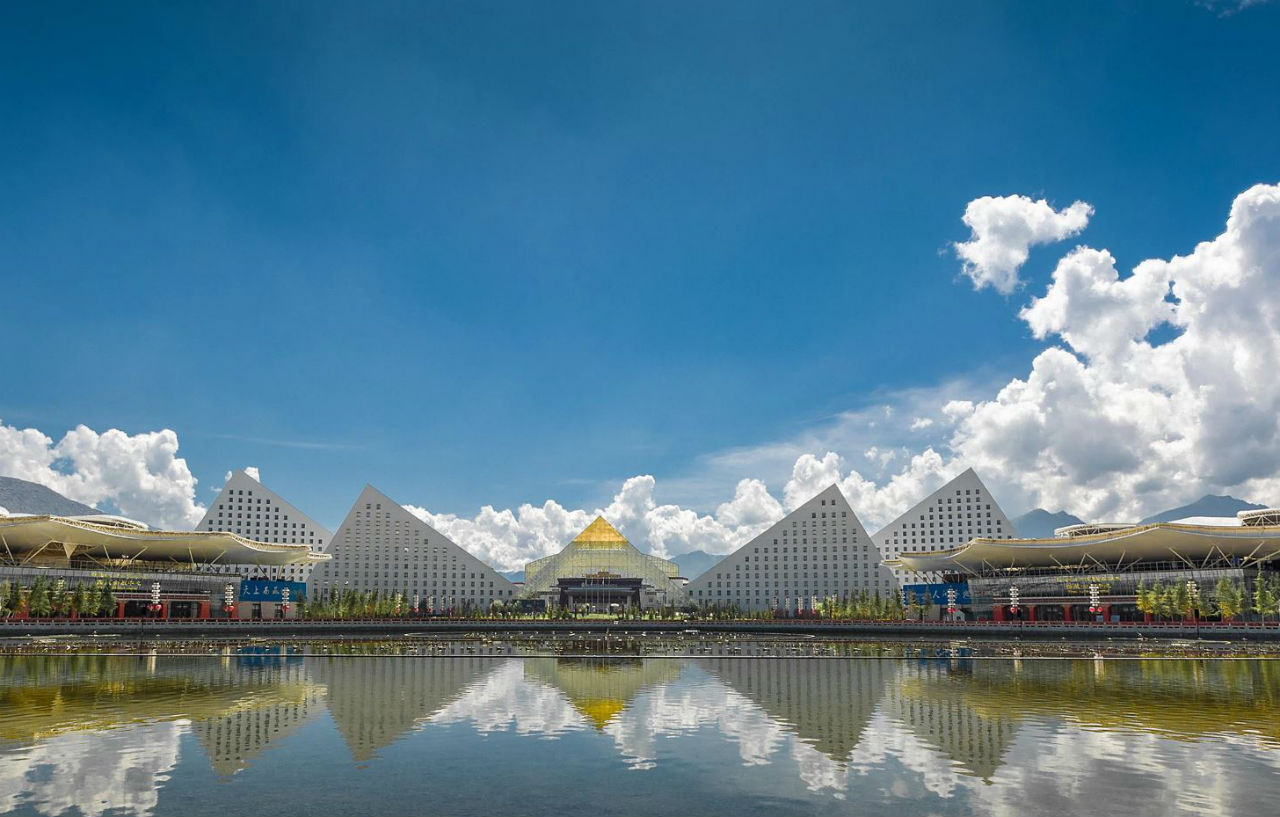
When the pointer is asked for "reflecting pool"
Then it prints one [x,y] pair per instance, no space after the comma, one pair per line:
[264,731]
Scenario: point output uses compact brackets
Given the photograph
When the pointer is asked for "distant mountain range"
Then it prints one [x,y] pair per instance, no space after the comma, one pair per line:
[21,496]
[512,575]
[1207,505]
[696,562]
[1040,524]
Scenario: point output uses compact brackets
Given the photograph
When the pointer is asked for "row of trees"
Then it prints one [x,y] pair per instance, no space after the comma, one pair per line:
[1228,599]
[44,598]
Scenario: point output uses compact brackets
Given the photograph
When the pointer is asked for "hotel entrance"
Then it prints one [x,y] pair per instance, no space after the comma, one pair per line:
[600,594]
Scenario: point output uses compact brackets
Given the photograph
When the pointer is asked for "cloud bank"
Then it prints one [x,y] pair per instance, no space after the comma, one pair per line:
[1164,386]
[139,474]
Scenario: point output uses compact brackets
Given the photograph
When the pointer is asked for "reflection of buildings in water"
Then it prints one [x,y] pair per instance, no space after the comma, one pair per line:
[827,703]
[118,772]
[373,701]
[234,738]
[42,696]
[1087,725]
[1182,700]
[601,688]
[927,701]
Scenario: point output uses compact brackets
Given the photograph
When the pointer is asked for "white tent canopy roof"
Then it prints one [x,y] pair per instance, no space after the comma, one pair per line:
[119,538]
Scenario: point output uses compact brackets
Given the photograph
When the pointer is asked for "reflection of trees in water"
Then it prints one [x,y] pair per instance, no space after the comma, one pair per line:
[1184,700]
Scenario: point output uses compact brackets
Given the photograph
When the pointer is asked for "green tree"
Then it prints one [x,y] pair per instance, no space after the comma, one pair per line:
[1146,601]
[92,600]
[1202,603]
[4,600]
[38,601]
[1264,596]
[78,600]
[60,598]
[1165,604]
[1181,598]
[14,601]
[927,608]
[107,602]
[1229,598]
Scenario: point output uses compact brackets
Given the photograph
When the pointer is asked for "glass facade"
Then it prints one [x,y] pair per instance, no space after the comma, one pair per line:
[601,552]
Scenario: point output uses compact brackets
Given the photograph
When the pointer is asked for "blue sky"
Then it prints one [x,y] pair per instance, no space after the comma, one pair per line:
[503,252]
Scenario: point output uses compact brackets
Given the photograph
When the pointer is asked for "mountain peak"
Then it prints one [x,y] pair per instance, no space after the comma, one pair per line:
[1040,524]
[1207,505]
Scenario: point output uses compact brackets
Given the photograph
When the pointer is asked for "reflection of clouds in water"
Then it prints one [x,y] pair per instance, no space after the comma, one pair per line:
[1062,769]
[671,710]
[819,772]
[504,700]
[884,738]
[118,771]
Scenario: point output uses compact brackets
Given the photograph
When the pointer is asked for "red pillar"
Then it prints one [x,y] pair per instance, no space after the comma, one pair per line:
[1031,612]
[1068,612]
[120,609]
[202,610]
[164,610]
[1147,617]
[997,612]
[1106,612]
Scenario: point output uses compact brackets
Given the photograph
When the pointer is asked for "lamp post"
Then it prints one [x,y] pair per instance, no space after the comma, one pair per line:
[951,603]
[1014,597]
[154,607]
[284,602]
[416,602]
[229,599]
[1095,602]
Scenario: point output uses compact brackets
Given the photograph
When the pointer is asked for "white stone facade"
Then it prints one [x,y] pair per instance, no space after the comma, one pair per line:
[381,546]
[820,550]
[950,516]
[248,508]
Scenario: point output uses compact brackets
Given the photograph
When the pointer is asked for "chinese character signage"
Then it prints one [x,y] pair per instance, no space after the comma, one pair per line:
[263,590]
[938,592]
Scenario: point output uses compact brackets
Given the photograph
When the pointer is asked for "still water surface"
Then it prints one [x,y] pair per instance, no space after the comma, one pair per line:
[253,733]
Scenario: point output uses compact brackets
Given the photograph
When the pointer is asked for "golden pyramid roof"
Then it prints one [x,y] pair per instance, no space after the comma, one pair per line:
[600,534]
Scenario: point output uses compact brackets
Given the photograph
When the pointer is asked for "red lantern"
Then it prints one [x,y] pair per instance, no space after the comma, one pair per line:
[228,608]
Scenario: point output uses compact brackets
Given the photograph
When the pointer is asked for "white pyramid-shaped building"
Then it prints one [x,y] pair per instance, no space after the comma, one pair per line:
[248,508]
[381,546]
[961,510]
[820,550]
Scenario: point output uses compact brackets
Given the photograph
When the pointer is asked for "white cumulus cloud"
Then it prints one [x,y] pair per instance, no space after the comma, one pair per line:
[508,539]
[1003,230]
[1114,423]
[140,474]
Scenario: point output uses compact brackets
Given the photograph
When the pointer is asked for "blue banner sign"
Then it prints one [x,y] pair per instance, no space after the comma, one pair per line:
[263,590]
[938,592]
